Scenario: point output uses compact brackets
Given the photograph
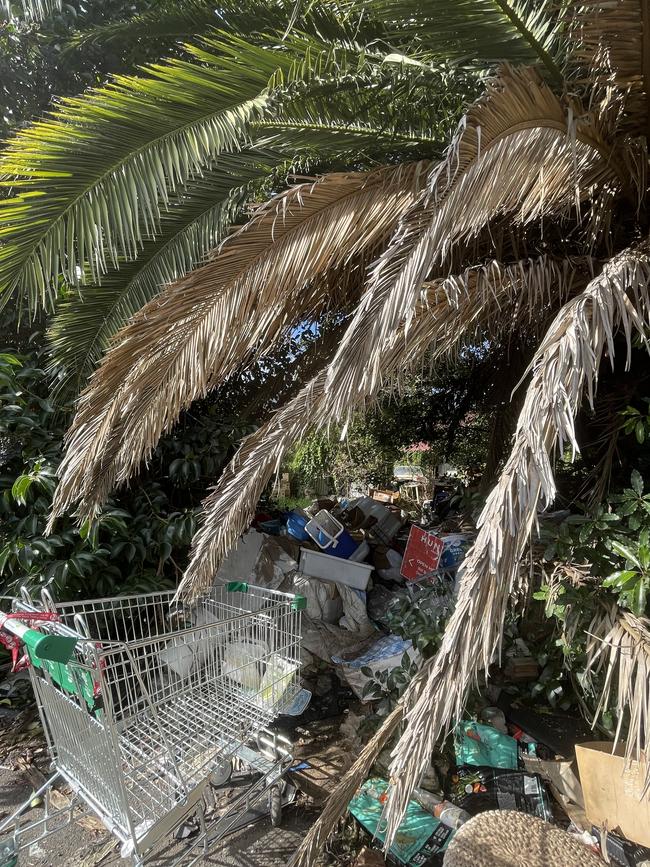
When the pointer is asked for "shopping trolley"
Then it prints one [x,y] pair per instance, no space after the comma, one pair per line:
[147,706]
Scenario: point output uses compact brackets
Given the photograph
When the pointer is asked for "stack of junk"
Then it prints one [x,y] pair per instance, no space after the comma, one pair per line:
[514,774]
[359,594]
[351,560]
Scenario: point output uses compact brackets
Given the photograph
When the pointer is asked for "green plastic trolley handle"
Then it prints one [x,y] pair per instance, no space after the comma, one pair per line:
[52,648]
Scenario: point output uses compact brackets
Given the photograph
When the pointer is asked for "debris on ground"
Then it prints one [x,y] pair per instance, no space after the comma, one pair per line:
[378,587]
[375,581]
[421,835]
[369,858]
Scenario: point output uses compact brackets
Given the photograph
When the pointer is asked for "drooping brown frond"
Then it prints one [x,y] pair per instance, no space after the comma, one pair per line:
[450,313]
[337,803]
[266,277]
[565,367]
[619,647]
[611,41]
[519,151]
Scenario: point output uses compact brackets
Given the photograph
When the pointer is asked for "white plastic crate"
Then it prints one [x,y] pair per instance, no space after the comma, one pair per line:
[324,529]
[328,568]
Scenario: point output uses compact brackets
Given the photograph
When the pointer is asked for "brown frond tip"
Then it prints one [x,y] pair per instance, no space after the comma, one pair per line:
[264,279]
[618,646]
[611,42]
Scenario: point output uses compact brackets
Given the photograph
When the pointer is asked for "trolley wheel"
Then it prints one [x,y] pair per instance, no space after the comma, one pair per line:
[275,806]
[221,773]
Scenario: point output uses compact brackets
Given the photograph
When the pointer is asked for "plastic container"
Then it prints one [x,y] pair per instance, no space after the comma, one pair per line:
[354,514]
[451,815]
[375,514]
[324,529]
[361,553]
[328,568]
[427,800]
[296,523]
[329,534]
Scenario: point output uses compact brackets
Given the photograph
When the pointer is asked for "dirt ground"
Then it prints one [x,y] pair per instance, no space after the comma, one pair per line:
[259,845]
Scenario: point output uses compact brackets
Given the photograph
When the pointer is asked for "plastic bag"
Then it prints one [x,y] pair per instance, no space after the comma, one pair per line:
[419,837]
[479,789]
[478,744]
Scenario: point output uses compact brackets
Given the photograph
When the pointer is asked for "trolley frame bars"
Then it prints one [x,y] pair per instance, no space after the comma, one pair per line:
[89,649]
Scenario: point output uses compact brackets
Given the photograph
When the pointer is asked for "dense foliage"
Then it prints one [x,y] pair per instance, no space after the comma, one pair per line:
[38,60]
[450,410]
[142,539]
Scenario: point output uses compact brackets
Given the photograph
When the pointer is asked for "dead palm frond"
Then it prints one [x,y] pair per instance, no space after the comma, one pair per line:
[273,273]
[610,47]
[451,313]
[338,801]
[565,367]
[520,151]
[618,647]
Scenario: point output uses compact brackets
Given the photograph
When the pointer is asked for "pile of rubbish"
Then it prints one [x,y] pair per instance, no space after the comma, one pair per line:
[350,560]
[355,562]
[499,767]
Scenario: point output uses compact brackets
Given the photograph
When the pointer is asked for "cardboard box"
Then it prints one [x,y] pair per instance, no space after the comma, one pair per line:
[384,496]
[613,791]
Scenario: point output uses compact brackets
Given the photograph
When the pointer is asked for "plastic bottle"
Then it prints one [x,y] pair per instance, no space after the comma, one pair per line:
[426,800]
[378,794]
[451,815]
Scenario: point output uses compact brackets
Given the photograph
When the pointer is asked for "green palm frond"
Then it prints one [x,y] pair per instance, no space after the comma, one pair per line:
[172,21]
[91,180]
[196,221]
[526,31]
[384,107]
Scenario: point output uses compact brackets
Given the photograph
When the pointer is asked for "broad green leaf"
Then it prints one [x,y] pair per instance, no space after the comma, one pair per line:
[626,552]
[620,579]
[636,480]
[20,488]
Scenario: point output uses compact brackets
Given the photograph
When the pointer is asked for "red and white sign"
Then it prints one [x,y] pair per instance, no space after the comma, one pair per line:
[422,555]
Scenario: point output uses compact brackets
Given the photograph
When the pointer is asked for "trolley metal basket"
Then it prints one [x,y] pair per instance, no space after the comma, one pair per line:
[157,701]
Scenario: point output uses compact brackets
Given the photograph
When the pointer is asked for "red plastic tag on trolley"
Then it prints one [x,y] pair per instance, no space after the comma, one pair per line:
[12,643]
[422,555]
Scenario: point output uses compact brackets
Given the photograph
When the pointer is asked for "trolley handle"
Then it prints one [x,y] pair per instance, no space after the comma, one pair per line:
[51,648]
[298,602]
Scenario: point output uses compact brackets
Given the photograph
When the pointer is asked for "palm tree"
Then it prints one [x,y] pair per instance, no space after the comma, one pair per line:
[130,186]
[535,218]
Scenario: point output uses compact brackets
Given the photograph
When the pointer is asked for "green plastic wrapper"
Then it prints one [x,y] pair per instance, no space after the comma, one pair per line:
[420,835]
[484,746]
